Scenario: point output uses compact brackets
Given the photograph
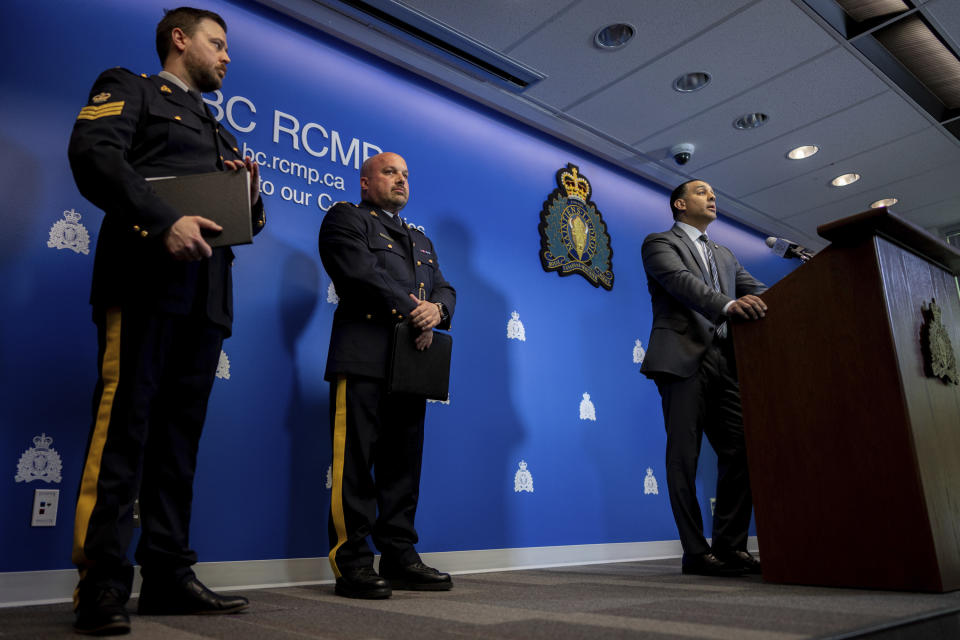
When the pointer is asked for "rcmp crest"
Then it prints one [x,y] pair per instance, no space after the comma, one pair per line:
[515,330]
[650,486]
[69,234]
[573,235]
[100,98]
[223,366]
[332,296]
[940,361]
[522,479]
[587,410]
[40,462]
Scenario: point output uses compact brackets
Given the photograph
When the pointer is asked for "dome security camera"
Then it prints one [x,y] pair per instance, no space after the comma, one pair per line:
[682,152]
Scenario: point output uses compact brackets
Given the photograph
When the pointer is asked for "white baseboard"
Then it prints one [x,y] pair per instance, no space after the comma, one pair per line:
[25,588]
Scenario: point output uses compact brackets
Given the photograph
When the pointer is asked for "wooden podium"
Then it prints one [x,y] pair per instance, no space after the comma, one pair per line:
[854,449]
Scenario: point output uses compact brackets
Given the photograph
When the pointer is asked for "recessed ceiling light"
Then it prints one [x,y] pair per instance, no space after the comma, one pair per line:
[803,152]
[614,36]
[845,179]
[690,82]
[750,120]
[886,202]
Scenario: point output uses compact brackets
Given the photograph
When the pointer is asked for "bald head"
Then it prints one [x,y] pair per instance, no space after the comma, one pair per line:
[383,181]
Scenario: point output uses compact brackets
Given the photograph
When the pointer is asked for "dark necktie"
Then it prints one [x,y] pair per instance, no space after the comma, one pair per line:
[397,225]
[714,275]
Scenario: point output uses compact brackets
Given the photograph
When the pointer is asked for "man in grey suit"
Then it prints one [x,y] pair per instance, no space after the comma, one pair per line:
[696,285]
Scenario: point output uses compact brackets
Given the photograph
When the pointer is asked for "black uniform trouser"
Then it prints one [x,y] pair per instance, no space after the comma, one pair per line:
[707,402]
[156,372]
[373,430]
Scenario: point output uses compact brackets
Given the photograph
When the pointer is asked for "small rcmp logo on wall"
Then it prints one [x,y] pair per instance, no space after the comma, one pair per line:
[573,235]
[40,462]
[69,234]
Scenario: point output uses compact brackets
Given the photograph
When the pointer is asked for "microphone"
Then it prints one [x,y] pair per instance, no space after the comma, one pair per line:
[787,249]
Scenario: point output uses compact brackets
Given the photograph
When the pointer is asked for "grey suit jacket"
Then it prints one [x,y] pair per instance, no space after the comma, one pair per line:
[686,309]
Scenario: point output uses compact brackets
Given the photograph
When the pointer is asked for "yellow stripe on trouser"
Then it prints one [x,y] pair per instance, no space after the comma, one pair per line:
[87,500]
[336,493]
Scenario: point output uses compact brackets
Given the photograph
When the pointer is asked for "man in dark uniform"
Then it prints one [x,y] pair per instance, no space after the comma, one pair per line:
[695,285]
[384,273]
[162,303]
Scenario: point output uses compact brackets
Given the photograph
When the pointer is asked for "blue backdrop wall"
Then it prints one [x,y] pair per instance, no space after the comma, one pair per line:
[310,108]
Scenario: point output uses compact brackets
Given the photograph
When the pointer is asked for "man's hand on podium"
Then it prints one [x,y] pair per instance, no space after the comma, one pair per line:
[749,307]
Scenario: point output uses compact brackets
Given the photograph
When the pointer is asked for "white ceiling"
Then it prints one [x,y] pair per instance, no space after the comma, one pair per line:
[774,56]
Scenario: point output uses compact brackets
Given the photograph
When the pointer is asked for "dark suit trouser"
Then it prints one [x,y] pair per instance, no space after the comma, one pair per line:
[156,372]
[707,402]
[383,432]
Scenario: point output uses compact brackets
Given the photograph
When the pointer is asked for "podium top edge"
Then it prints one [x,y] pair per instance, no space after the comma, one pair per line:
[883,222]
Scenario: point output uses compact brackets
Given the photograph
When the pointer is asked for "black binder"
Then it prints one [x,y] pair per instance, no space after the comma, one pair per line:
[420,373]
[221,196]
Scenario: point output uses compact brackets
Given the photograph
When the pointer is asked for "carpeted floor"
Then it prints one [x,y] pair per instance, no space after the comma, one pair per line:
[625,600]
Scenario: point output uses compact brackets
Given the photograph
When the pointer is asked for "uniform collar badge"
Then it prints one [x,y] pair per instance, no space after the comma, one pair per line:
[100,98]
[165,89]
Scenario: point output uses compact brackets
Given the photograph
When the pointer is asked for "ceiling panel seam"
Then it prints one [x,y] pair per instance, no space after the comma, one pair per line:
[542,25]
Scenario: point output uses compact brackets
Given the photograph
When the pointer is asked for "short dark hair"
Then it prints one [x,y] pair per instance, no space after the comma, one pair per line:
[678,194]
[187,19]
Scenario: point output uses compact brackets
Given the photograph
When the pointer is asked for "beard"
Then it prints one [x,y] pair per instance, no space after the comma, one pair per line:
[204,78]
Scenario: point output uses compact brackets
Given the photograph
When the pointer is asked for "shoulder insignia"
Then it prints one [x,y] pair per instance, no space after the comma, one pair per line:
[143,75]
[165,89]
[100,98]
[102,111]
[374,213]
[573,235]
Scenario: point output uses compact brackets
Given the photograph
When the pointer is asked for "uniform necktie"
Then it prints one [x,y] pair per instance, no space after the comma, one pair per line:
[714,276]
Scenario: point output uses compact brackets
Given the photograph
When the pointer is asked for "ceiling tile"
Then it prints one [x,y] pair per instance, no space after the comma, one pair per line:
[762,42]
[564,49]
[881,169]
[815,90]
[866,125]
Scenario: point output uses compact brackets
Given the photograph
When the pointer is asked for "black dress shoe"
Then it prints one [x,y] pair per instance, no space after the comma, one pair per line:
[160,598]
[362,582]
[415,577]
[101,612]
[707,564]
[748,563]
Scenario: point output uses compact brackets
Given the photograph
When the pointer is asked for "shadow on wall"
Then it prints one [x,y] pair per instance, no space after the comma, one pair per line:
[306,415]
[468,450]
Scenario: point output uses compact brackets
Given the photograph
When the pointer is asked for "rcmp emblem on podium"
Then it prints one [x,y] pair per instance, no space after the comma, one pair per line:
[573,235]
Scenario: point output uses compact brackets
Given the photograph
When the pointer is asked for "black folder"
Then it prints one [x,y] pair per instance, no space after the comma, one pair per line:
[420,373]
[221,196]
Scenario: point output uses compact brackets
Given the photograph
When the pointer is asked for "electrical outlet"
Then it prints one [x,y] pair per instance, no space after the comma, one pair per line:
[45,503]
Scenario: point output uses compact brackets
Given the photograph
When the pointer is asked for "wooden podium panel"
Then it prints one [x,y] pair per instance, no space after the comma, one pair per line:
[854,451]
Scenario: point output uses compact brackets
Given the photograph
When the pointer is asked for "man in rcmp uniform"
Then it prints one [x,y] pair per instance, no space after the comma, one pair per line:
[162,301]
[384,273]
[695,286]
